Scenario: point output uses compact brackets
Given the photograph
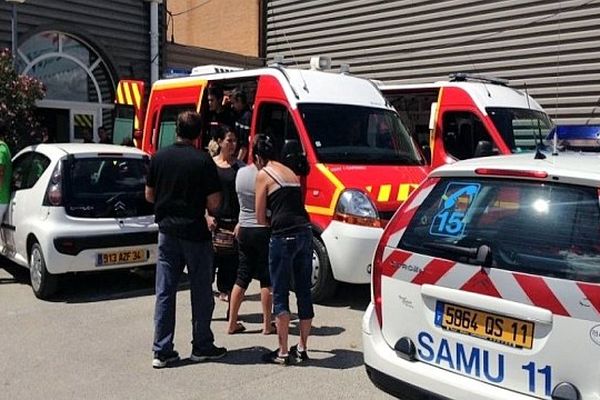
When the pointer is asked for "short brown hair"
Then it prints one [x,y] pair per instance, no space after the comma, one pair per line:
[189,124]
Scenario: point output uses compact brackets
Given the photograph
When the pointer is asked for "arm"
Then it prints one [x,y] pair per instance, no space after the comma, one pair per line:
[149,193]
[1,174]
[213,202]
[262,184]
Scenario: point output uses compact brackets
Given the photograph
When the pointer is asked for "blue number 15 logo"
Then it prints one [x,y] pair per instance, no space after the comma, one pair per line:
[449,221]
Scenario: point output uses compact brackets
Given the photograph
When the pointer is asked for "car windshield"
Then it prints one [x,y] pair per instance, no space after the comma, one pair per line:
[358,135]
[539,228]
[520,128]
[104,187]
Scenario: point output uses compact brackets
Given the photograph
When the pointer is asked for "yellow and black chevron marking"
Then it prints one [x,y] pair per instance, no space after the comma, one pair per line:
[83,121]
[385,191]
[129,93]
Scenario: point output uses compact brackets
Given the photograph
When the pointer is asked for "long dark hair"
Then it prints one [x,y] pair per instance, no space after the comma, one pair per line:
[264,148]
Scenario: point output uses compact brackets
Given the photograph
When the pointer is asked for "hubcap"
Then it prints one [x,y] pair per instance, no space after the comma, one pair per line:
[35,265]
[315,268]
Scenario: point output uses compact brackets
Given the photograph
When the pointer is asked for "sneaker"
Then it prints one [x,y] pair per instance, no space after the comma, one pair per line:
[162,360]
[298,356]
[273,357]
[214,353]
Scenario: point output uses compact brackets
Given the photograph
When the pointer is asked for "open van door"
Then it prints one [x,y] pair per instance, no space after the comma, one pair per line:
[129,112]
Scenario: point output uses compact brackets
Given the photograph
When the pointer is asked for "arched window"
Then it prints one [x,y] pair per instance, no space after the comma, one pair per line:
[78,82]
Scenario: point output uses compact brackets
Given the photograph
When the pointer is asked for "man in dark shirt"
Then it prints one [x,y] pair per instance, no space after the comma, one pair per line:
[243,116]
[218,115]
[183,183]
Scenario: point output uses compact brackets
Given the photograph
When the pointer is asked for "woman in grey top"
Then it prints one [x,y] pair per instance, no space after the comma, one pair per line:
[253,241]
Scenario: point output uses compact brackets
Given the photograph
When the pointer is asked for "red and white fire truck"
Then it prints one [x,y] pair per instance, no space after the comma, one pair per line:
[364,163]
[469,116]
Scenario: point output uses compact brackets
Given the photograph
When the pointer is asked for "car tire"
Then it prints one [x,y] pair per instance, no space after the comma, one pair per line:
[323,285]
[43,283]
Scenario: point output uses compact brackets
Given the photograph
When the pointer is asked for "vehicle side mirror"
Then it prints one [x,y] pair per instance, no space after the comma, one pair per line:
[484,149]
[426,152]
[294,158]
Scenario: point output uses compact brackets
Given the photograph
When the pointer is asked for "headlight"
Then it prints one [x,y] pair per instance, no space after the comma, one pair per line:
[355,207]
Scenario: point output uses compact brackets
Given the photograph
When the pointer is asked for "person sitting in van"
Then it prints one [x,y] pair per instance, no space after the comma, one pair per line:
[243,115]
[218,114]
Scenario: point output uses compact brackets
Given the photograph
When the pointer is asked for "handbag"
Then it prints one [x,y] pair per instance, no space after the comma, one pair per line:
[224,242]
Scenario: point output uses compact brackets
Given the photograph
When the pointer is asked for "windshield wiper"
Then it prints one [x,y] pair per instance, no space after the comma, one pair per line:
[481,255]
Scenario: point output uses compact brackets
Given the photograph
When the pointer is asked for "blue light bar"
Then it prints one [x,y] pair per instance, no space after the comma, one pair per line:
[584,137]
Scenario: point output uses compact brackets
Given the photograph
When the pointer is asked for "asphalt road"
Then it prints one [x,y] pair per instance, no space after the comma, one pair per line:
[94,342]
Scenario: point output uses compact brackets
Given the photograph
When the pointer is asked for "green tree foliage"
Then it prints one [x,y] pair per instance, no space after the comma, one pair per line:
[18,94]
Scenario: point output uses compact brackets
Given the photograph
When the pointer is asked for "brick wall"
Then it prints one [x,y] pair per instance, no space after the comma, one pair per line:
[225,25]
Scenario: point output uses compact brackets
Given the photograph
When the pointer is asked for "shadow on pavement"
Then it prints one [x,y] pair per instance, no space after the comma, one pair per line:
[316,330]
[334,359]
[356,297]
[108,285]
[18,274]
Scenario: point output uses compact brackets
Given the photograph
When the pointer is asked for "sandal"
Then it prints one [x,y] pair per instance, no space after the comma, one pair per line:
[239,328]
[272,330]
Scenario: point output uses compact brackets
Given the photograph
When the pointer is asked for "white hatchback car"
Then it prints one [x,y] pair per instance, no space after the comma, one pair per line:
[78,207]
[486,283]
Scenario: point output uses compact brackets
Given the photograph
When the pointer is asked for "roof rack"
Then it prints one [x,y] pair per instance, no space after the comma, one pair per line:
[465,76]
[213,69]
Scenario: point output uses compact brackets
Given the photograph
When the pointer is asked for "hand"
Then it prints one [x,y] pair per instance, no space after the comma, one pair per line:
[236,230]
[211,222]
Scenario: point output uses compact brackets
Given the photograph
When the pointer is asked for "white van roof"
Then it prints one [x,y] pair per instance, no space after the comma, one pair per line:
[484,94]
[301,86]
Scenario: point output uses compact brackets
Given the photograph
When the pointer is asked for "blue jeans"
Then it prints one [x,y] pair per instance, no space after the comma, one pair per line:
[173,255]
[291,254]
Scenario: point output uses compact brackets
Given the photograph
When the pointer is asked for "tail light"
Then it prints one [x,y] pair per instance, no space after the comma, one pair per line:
[512,173]
[54,193]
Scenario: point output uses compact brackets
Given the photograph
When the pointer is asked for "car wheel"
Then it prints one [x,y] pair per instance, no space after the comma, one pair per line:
[43,283]
[323,284]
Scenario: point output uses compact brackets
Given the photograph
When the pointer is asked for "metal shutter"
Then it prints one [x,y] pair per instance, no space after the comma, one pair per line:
[549,46]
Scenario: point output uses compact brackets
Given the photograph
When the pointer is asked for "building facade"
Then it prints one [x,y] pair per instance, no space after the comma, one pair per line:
[79,49]
[548,47]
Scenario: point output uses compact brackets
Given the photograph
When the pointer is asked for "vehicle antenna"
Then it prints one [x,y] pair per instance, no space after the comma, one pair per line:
[304,86]
[538,146]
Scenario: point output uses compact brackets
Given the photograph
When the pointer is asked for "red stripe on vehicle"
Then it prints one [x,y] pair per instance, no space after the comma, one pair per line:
[404,219]
[540,294]
[391,264]
[433,271]
[592,293]
[482,284]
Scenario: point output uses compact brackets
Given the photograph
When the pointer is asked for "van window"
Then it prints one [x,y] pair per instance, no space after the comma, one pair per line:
[106,187]
[168,122]
[276,121]
[520,128]
[358,135]
[533,227]
[124,123]
[462,131]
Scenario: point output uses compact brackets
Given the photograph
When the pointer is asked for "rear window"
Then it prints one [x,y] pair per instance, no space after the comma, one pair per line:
[104,187]
[547,229]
